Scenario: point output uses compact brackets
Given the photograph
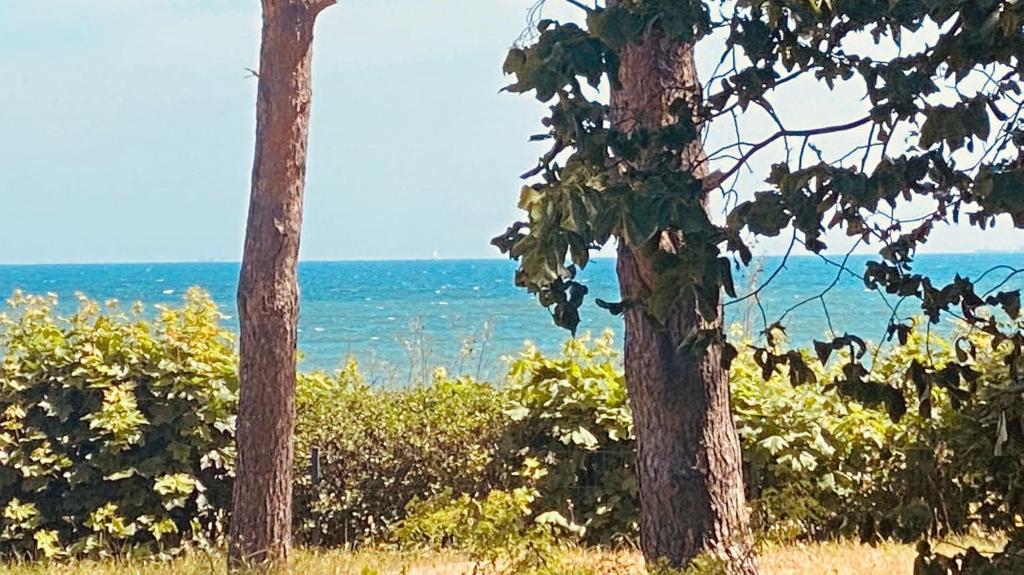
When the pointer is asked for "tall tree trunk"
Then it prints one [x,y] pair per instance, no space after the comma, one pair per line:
[689,465]
[268,292]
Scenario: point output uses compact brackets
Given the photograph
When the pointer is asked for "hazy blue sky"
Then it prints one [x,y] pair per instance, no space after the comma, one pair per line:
[126,130]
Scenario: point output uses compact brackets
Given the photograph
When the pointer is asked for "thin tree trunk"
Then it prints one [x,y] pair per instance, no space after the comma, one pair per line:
[268,293]
[690,469]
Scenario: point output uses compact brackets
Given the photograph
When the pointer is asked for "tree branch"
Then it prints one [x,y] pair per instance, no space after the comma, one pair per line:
[545,160]
[784,133]
[578,4]
[317,6]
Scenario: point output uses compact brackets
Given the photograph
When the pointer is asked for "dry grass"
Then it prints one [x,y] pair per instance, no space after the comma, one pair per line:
[815,559]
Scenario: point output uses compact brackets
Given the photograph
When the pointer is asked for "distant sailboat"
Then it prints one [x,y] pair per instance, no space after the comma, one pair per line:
[437,254]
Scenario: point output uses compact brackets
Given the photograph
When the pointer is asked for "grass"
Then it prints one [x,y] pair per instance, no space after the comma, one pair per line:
[840,558]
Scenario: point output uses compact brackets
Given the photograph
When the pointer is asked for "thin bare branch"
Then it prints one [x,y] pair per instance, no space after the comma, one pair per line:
[784,133]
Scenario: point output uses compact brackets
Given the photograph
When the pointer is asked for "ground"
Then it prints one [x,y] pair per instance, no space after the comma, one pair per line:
[816,559]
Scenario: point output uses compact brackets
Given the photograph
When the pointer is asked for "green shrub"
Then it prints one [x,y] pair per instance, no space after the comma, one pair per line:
[817,464]
[807,453]
[116,435]
[820,465]
[497,529]
[987,437]
[115,432]
[561,426]
[573,423]
[381,448]
[985,440]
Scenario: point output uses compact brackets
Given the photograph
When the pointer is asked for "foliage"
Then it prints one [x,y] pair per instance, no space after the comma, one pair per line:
[819,465]
[498,529]
[573,428]
[970,561]
[381,448]
[987,437]
[561,426]
[115,432]
[116,435]
[943,123]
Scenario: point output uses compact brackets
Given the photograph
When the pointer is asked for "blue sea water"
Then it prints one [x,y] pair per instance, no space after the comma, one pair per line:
[410,314]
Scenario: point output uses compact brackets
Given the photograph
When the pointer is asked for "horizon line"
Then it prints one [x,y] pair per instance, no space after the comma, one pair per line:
[1017,251]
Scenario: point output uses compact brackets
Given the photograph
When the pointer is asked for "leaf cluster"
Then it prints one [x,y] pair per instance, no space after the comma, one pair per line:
[116,432]
[573,429]
[381,448]
[944,125]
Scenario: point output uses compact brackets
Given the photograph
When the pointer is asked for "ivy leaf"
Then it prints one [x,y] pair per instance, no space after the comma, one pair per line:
[666,291]
[1010,302]
[999,192]
[921,380]
[614,25]
[514,61]
[766,215]
[614,308]
[823,351]
[900,331]
[729,354]
[507,241]
[567,316]
[799,372]
[641,221]
[895,403]
[725,274]
[954,125]
[583,437]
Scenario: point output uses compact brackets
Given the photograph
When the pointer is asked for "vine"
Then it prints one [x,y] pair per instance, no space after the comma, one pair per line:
[942,127]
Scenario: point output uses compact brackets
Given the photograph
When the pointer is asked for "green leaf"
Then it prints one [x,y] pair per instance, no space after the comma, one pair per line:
[955,125]
[582,436]
[125,474]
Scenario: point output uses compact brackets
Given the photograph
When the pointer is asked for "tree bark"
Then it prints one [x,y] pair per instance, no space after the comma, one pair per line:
[688,453]
[268,292]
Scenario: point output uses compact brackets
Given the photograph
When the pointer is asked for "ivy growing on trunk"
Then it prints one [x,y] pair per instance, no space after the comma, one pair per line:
[941,125]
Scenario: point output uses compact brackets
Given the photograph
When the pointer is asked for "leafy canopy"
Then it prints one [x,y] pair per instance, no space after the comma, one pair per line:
[942,132]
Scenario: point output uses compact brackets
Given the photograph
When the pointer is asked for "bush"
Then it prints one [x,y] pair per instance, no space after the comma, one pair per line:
[561,426]
[986,442]
[818,464]
[821,465]
[381,448]
[496,529]
[115,432]
[560,430]
[116,435]
[573,423]
[987,437]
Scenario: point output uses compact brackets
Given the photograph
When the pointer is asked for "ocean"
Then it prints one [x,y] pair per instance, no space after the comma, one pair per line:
[407,316]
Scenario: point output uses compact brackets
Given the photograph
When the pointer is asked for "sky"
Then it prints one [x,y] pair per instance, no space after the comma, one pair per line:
[127,128]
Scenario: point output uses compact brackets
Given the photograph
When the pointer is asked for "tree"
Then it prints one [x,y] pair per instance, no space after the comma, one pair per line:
[268,294]
[680,402]
[941,130]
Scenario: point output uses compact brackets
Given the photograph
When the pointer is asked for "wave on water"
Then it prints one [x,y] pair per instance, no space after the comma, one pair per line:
[373,309]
